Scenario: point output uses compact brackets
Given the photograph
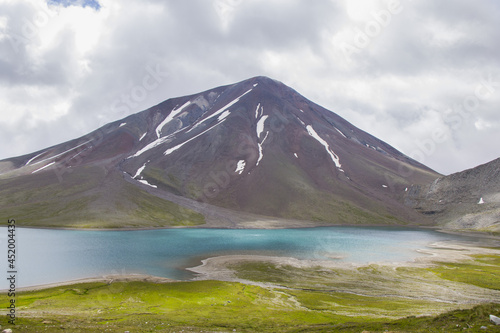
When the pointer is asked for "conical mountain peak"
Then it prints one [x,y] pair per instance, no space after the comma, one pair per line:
[256,146]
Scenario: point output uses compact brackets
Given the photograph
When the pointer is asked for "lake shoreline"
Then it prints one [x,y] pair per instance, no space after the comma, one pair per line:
[273,225]
[218,267]
[108,279]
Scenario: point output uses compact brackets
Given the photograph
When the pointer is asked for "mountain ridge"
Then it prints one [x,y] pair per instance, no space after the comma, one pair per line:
[465,200]
[256,149]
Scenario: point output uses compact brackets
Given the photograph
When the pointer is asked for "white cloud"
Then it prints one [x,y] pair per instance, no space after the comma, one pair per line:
[67,70]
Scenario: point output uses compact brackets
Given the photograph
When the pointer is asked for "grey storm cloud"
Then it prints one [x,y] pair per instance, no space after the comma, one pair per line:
[400,70]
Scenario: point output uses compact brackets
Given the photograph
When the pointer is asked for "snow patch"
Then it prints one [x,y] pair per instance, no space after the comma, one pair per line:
[240,166]
[301,110]
[140,170]
[146,183]
[151,145]
[406,189]
[384,186]
[315,135]
[221,110]
[171,116]
[64,152]
[223,115]
[260,125]
[261,153]
[142,137]
[257,111]
[341,132]
[122,124]
[34,158]
[481,201]
[44,167]
[303,124]
[255,85]
[295,154]
[171,150]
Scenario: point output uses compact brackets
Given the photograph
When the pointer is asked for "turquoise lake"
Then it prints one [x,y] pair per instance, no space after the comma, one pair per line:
[47,256]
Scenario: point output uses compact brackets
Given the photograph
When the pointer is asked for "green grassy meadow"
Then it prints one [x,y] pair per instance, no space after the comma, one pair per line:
[369,299]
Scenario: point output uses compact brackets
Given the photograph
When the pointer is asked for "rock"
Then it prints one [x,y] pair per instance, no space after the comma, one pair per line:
[495,320]
[7,330]
[484,327]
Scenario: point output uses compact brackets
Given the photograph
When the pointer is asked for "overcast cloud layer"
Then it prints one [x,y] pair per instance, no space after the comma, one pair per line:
[422,75]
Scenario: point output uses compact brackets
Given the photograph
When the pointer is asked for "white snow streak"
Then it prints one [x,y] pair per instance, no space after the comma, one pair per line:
[122,124]
[151,145]
[140,170]
[481,201]
[384,186]
[295,154]
[146,183]
[257,111]
[240,167]
[64,152]
[255,85]
[46,166]
[34,158]
[223,115]
[142,137]
[170,150]
[260,125]
[315,135]
[221,110]
[261,153]
[341,132]
[171,116]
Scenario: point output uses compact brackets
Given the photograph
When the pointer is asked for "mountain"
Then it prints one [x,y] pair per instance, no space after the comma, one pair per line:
[465,200]
[250,151]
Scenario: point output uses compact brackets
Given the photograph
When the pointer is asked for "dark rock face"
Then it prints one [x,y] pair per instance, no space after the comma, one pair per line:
[255,147]
[465,200]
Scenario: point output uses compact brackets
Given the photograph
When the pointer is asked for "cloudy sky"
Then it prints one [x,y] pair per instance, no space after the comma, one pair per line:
[422,75]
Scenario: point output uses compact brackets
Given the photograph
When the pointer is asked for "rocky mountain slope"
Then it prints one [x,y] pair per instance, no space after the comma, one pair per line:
[252,150]
[465,200]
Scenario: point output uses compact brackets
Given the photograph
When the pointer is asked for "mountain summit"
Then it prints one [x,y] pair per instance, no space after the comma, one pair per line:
[244,151]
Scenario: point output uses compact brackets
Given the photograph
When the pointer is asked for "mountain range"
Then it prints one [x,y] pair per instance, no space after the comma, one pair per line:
[254,153]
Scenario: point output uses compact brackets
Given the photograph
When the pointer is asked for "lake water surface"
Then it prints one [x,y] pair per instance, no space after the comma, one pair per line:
[47,256]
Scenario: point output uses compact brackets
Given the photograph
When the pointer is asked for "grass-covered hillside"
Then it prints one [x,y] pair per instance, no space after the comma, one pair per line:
[448,297]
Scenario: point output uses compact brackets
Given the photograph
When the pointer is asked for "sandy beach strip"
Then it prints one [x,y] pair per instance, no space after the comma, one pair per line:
[218,268]
[105,279]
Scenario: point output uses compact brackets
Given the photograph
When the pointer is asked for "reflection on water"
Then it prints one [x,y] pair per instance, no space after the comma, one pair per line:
[46,256]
